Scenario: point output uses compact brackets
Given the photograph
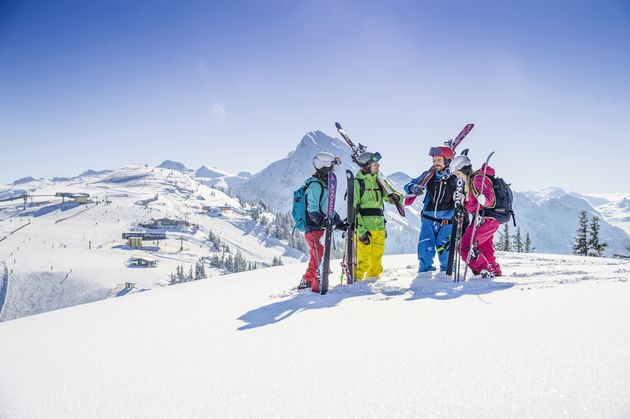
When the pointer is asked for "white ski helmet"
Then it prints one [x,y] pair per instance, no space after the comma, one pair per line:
[325,160]
[458,163]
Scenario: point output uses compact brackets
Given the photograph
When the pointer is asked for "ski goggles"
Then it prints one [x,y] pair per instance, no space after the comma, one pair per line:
[337,161]
[375,157]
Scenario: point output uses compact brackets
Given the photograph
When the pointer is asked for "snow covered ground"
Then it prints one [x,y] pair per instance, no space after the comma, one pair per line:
[59,254]
[550,339]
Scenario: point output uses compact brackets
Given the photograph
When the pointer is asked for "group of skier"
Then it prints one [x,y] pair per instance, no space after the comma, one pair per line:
[448,186]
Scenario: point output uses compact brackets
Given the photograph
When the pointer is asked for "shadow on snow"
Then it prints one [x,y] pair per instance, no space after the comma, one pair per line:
[438,289]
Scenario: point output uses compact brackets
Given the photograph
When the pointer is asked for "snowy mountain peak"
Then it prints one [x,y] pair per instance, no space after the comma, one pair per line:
[315,141]
[399,178]
[91,172]
[173,165]
[23,180]
[545,194]
[624,203]
[212,173]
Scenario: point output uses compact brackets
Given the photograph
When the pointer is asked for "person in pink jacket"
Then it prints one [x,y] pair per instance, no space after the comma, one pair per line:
[482,260]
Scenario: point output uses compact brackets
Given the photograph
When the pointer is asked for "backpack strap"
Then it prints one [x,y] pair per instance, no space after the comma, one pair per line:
[361,188]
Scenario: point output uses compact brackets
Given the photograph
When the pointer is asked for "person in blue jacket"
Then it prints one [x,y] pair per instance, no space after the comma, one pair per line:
[437,211]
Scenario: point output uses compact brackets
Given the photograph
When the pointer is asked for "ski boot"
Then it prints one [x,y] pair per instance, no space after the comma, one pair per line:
[303,284]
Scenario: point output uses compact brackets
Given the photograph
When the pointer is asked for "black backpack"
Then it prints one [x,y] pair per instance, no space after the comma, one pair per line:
[503,200]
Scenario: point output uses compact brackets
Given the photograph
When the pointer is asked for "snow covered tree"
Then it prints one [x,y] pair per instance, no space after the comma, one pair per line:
[200,270]
[177,277]
[580,245]
[240,264]
[595,247]
[255,213]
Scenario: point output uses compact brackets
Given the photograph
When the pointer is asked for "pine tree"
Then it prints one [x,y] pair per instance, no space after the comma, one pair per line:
[580,245]
[180,274]
[595,247]
[528,244]
[518,242]
[505,243]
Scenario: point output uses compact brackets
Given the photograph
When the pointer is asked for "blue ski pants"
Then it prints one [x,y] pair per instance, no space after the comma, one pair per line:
[434,236]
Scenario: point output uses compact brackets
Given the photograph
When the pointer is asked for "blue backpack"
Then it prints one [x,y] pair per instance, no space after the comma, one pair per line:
[300,203]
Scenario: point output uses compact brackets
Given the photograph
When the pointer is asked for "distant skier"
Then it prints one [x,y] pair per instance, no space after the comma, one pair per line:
[370,219]
[317,200]
[482,260]
[437,211]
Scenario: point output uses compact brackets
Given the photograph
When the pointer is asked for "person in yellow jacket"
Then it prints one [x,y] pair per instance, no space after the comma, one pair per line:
[369,199]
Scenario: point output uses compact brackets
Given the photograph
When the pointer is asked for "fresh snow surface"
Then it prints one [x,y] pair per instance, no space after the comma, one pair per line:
[550,339]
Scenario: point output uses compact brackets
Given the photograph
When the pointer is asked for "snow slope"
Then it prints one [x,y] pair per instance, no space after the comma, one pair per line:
[551,339]
[215,177]
[59,254]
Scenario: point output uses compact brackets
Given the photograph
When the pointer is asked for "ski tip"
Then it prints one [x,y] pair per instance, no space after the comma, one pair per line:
[338,125]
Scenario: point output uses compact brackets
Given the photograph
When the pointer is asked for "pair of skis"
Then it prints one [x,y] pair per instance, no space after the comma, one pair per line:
[383,182]
[349,261]
[459,224]
[323,270]
[428,175]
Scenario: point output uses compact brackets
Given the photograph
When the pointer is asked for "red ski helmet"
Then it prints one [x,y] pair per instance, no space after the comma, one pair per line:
[441,151]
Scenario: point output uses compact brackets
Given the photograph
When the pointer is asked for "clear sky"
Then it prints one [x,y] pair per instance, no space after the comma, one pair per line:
[236,84]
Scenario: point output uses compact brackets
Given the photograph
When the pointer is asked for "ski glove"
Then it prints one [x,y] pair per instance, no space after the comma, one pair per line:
[342,226]
[325,222]
[416,189]
[317,218]
[481,199]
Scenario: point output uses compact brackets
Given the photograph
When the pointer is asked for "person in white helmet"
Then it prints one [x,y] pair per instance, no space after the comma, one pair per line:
[317,201]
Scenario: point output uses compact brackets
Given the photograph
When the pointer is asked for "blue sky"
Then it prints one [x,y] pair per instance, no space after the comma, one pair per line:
[236,84]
